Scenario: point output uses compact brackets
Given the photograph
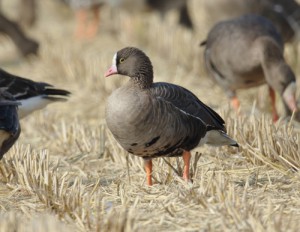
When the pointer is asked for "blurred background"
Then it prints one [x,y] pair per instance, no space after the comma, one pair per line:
[70,44]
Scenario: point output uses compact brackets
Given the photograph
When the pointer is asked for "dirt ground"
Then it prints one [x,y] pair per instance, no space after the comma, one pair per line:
[66,172]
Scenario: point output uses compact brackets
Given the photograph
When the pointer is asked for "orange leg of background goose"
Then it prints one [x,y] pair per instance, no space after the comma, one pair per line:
[148,169]
[81,17]
[93,25]
[273,102]
[186,169]
[235,103]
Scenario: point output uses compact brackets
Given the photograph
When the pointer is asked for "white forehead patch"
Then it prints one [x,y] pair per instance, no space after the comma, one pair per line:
[114,60]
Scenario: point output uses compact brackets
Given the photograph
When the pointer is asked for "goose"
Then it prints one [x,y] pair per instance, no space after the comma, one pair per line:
[248,51]
[159,119]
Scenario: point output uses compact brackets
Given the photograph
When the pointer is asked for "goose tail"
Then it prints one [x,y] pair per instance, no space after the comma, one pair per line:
[219,138]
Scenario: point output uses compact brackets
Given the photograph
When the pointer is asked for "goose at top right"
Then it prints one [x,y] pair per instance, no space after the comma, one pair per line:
[248,51]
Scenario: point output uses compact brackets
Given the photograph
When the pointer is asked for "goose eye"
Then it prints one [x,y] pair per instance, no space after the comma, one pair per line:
[122,60]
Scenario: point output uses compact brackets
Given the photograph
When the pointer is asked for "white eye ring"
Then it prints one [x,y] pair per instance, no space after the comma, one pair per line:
[122,60]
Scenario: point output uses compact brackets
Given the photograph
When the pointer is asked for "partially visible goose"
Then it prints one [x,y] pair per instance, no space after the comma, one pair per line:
[32,95]
[284,14]
[180,5]
[161,6]
[9,122]
[158,119]
[246,52]
[87,14]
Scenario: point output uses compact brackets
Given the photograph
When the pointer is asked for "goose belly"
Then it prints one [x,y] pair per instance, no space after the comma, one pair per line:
[126,117]
[248,80]
[137,126]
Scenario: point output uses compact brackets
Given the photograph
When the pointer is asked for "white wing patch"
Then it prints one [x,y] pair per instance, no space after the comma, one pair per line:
[31,104]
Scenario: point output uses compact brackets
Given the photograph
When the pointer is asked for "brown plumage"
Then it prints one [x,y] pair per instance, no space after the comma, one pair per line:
[181,5]
[160,6]
[158,119]
[248,51]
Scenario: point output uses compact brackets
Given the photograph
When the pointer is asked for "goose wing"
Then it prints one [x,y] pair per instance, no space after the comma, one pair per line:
[187,102]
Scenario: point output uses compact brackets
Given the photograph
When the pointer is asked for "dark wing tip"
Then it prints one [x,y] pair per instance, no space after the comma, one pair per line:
[210,127]
[58,92]
[235,145]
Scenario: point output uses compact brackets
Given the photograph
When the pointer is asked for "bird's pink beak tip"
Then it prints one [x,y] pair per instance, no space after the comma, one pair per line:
[111,71]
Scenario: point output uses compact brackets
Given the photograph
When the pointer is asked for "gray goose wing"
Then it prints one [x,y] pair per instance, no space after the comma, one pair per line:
[187,102]
[171,130]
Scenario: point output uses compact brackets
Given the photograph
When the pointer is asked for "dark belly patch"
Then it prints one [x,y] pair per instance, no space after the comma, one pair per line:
[153,141]
[248,82]
[167,146]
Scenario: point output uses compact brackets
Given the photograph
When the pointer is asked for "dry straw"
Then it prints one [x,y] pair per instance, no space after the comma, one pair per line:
[74,176]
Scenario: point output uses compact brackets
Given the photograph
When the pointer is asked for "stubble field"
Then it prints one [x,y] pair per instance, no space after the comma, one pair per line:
[66,172]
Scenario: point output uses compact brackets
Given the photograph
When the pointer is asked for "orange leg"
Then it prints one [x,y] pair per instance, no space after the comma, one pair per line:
[94,23]
[235,103]
[81,18]
[148,169]
[273,103]
[186,169]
